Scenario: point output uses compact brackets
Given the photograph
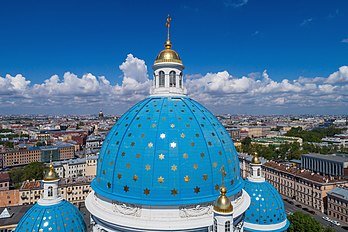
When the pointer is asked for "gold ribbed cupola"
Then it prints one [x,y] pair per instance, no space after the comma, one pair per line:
[168,55]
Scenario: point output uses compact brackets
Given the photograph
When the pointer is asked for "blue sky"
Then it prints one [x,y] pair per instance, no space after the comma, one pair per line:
[289,39]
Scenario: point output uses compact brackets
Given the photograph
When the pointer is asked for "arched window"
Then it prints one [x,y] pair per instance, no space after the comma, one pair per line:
[180,80]
[161,79]
[50,191]
[258,172]
[215,225]
[172,79]
[227,226]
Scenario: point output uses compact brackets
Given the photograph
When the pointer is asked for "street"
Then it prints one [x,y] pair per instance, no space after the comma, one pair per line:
[291,208]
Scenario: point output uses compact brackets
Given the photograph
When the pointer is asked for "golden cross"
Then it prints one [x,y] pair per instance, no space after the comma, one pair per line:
[223,174]
[168,24]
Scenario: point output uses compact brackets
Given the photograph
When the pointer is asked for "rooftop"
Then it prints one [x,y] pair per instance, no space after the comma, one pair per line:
[37,184]
[17,213]
[4,177]
[69,162]
[27,185]
[340,192]
[305,174]
[333,157]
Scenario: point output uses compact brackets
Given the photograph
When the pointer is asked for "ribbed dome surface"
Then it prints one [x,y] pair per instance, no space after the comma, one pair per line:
[266,206]
[168,55]
[166,151]
[60,217]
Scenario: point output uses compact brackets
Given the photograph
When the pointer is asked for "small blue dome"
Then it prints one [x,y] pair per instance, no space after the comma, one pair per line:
[166,151]
[63,216]
[266,207]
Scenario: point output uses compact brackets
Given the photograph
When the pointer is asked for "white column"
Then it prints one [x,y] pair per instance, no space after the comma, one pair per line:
[166,80]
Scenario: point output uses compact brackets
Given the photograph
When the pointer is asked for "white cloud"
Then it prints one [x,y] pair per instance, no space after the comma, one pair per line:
[13,85]
[235,3]
[135,69]
[344,40]
[340,76]
[306,21]
[223,91]
[256,92]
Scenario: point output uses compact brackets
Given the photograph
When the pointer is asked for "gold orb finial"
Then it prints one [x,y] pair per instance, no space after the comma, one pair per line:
[51,174]
[168,44]
[255,159]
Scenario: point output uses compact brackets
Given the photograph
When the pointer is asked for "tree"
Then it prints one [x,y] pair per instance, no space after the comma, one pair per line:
[33,170]
[246,144]
[301,222]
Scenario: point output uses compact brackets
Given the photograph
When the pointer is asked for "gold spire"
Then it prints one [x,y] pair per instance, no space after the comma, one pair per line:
[51,174]
[223,203]
[255,159]
[168,55]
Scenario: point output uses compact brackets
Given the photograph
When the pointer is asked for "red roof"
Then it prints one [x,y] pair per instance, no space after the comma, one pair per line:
[4,177]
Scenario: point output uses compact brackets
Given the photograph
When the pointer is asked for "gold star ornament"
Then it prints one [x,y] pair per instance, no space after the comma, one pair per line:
[160,179]
[174,168]
[161,156]
[146,191]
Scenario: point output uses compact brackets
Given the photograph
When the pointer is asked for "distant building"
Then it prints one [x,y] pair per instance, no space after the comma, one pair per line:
[256,131]
[37,154]
[94,142]
[338,140]
[337,200]
[308,188]
[91,165]
[244,164]
[101,114]
[70,168]
[74,190]
[9,197]
[4,181]
[330,165]
[234,133]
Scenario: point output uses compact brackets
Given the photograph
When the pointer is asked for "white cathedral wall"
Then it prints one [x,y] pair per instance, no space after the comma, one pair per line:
[150,218]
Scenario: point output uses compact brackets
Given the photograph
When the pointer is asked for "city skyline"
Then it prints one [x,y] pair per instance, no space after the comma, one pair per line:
[245,57]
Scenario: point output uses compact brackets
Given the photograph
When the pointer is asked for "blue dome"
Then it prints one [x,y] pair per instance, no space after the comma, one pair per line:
[166,151]
[63,216]
[266,207]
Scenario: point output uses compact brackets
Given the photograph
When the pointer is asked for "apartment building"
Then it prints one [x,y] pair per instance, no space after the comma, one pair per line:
[338,203]
[70,168]
[306,187]
[74,190]
[37,154]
